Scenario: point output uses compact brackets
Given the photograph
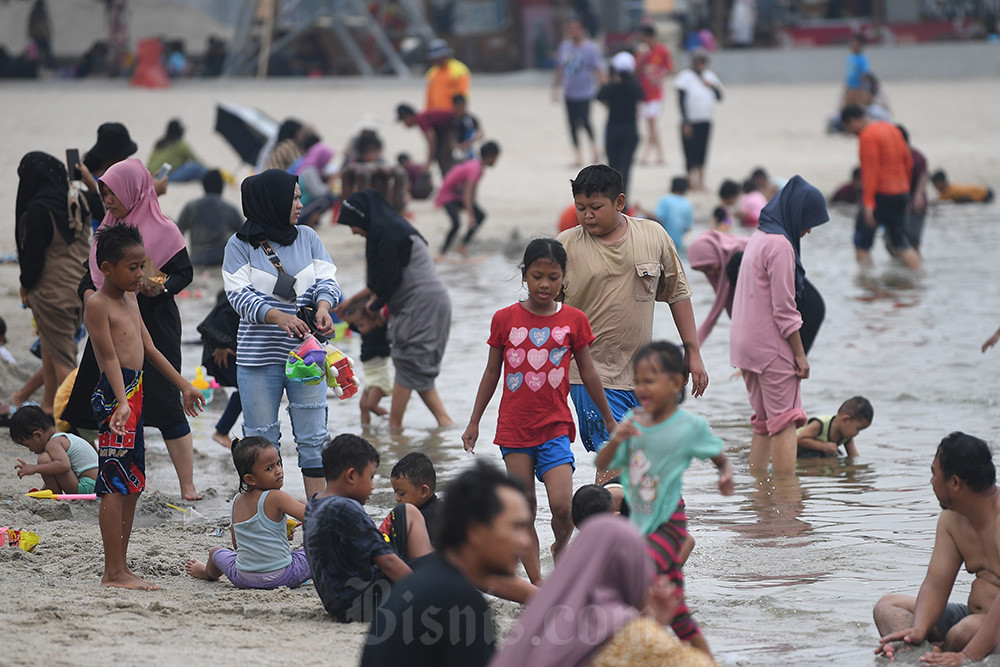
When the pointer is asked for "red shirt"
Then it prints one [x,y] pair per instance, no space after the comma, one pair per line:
[536,354]
[652,66]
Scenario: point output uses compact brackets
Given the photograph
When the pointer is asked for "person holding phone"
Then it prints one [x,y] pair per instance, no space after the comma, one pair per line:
[272,268]
[52,246]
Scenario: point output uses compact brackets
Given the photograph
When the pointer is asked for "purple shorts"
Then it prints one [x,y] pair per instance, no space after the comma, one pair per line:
[292,576]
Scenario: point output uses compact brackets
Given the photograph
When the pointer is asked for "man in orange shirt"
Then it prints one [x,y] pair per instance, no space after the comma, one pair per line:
[446,78]
[886,166]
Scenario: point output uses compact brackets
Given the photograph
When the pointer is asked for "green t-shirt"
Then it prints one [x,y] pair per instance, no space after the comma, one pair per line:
[654,463]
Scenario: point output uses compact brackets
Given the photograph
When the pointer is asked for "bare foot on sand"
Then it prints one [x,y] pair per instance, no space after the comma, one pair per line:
[191,494]
[129,580]
[223,439]
[197,569]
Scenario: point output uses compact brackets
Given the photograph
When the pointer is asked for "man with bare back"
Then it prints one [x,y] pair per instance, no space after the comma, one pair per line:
[968,531]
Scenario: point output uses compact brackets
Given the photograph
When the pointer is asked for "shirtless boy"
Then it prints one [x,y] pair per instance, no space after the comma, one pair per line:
[121,343]
[968,531]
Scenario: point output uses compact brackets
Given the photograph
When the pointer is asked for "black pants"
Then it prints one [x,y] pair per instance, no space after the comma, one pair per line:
[578,114]
[454,209]
[696,146]
[620,144]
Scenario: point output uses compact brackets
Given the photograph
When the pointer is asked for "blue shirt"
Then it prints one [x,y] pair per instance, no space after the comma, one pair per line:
[857,66]
[249,278]
[676,215]
[653,465]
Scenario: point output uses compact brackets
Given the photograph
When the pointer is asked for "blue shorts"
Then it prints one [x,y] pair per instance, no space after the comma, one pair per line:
[593,433]
[547,455]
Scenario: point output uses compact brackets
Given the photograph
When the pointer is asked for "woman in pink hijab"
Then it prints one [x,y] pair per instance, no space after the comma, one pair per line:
[317,196]
[711,253]
[128,195]
[590,611]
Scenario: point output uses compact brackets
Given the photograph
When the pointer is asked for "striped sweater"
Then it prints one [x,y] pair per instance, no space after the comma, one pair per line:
[249,278]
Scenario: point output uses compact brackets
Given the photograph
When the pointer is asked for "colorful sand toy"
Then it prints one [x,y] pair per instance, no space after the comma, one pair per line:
[25,539]
[307,363]
[340,373]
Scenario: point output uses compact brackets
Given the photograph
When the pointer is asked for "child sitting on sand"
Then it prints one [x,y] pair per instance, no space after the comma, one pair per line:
[351,562]
[823,436]
[260,557]
[414,480]
[654,445]
[66,462]
[960,193]
[374,358]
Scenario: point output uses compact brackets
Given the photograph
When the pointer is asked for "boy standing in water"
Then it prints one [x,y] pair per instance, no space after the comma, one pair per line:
[121,342]
[617,268]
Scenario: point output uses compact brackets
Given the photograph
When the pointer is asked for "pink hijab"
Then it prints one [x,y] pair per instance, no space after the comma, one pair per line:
[318,156]
[714,249]
[594,591]
[132,183]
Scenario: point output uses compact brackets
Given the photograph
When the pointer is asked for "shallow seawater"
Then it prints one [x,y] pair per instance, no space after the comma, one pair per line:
[783,575]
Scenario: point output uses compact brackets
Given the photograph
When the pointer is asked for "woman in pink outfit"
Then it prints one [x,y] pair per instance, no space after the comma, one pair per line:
[764,342]
[711,253]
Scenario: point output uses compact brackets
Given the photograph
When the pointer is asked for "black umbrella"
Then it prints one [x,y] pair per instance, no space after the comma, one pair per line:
[246,129]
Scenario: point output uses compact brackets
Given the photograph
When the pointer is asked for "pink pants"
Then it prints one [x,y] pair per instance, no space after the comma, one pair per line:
[775,398]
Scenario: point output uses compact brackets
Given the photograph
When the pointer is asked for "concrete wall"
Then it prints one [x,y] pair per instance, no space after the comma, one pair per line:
[962,60]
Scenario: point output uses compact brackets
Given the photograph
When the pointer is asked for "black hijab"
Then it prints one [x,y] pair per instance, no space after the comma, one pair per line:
[43,181]
[267,205]
[390,240]
[798,207]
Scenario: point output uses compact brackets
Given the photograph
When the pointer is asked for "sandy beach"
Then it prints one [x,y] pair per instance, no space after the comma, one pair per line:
[56,614]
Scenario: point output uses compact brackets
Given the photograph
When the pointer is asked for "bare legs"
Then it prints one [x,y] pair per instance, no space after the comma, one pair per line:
[652,143]
[559,488]
[115,518]
[780,450]
[66,482]
[430,397]
[207,570]
[181,452]
[313,485]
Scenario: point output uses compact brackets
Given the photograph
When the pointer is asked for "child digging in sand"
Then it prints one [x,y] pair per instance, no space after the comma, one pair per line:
[66,462]
[121,343]
[260,557]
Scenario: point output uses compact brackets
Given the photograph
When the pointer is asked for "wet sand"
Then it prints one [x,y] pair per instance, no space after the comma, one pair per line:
[779,576]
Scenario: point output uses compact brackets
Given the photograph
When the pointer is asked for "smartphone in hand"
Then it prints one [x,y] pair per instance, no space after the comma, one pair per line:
[73,159]
[162,171]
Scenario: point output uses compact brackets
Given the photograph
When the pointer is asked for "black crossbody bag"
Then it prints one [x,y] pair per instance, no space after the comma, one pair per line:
[284,289]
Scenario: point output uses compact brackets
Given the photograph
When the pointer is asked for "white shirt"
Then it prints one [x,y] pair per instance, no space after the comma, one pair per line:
[699,99]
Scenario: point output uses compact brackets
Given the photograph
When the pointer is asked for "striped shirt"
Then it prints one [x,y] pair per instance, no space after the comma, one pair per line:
[249,278]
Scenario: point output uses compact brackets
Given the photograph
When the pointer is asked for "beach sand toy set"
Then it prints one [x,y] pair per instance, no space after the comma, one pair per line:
[313,362]
[25,539]
[206,385]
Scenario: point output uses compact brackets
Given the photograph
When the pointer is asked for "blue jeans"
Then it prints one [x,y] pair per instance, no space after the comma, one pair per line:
[261,388]
[189,171]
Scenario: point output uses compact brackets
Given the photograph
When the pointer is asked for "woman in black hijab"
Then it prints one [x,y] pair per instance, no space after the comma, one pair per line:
[401,275]
[267,299]
[53,241]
